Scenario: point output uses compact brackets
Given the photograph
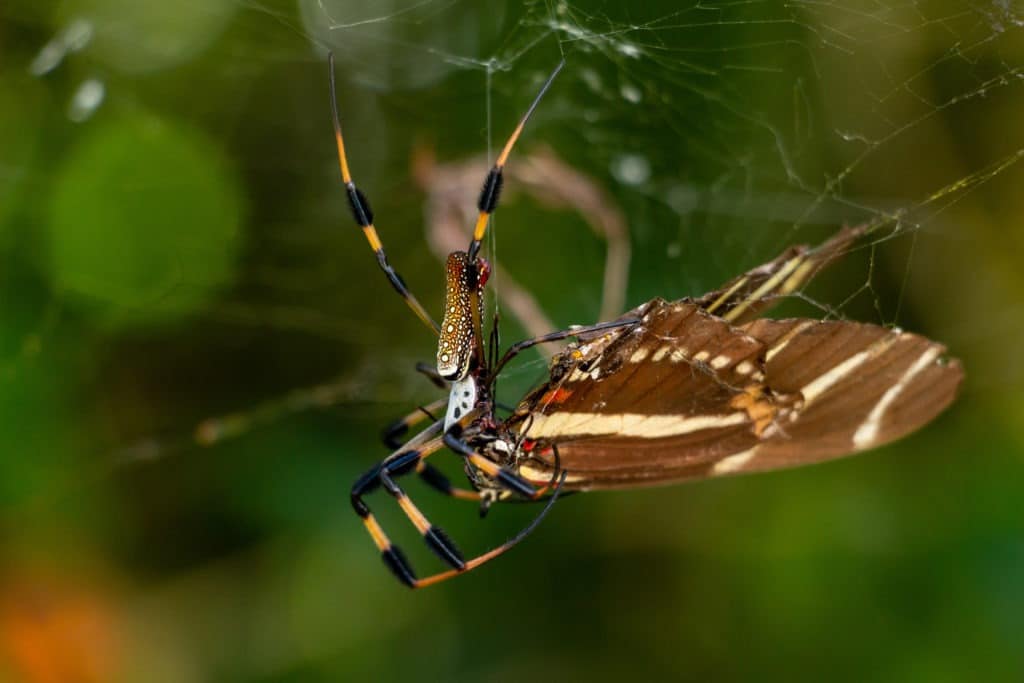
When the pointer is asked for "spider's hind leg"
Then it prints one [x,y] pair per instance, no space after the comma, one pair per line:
[384,474]
[393,436]
[412,459]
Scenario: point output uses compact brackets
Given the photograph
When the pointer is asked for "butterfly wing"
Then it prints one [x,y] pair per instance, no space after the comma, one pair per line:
[687,396]
[744,298]
[701,388]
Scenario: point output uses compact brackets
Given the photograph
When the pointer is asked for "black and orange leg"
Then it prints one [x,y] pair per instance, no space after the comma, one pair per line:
[403,462]
[501,549]
[436,479]
[491,191]
[384,474]
[392,555]
[363,215]
[430,372]
[437,540]
[396,560]
[393,435]
[506,478]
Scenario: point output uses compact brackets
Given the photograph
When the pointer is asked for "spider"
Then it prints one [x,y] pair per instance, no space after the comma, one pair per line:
[490,448]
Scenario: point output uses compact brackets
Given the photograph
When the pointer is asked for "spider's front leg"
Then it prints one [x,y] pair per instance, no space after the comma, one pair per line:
[363,215]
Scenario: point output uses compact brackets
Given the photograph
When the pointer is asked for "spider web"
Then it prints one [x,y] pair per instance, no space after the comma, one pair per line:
[721,131]
[724,132]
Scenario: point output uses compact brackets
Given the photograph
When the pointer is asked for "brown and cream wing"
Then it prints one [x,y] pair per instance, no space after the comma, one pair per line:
[862,386]
[833,387]
[749,295]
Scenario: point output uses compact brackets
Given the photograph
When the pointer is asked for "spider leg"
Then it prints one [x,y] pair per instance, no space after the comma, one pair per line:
[392,437]
[363,216]
[491,191]
[431,373]
[505,477]
[384,474]
[501,549]
[436,480]
[553,183]
[436,539]
[393,434]
[411,458]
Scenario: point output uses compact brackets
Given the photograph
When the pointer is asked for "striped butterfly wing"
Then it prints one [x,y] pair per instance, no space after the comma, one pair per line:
[647,403]
[749,295]
[687,394]
[861,386]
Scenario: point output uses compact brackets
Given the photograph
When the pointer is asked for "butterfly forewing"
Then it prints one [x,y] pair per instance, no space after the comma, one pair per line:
[745,297]
[654,385]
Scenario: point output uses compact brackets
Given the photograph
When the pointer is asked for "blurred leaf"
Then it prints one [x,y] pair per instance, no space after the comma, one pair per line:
[136,37]
[145,215]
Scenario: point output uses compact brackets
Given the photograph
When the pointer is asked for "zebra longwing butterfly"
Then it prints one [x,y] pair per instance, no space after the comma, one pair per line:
[669,391]
[702,388]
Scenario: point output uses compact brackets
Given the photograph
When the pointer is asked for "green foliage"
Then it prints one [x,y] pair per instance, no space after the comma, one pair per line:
[145,217]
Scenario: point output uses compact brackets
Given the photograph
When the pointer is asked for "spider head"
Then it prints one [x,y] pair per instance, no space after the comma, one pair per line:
[463,311]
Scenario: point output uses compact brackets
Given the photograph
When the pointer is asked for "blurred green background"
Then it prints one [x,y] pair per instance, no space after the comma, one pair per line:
[179,268]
